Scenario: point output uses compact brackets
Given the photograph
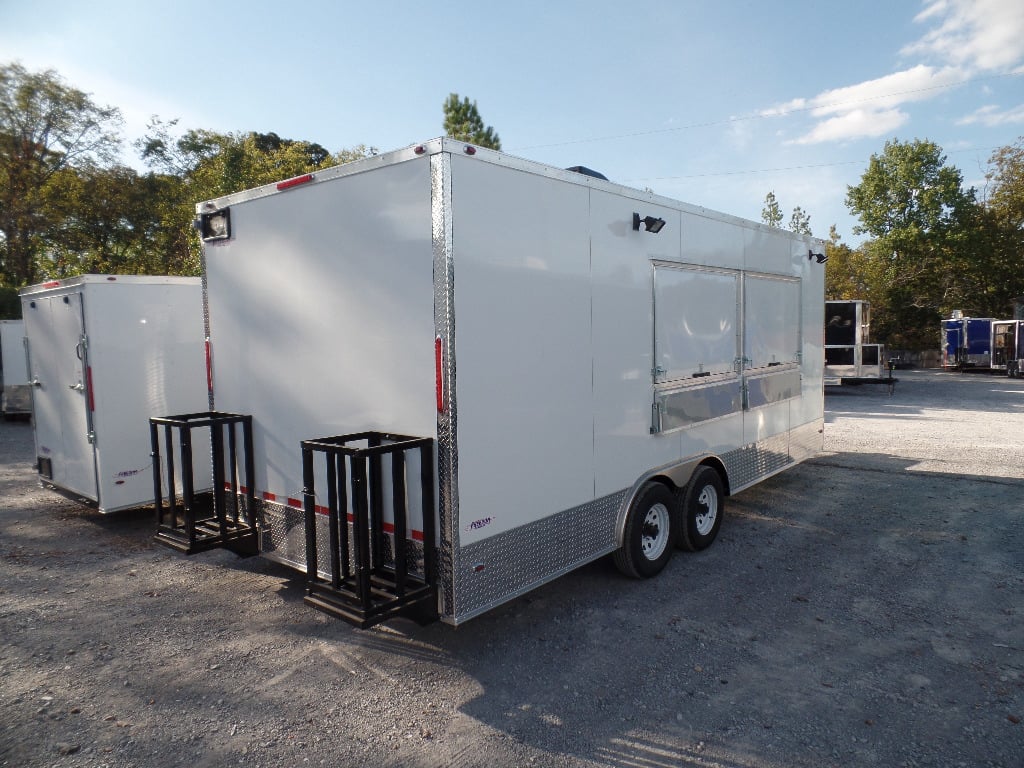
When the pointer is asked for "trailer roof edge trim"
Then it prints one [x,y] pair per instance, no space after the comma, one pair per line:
[425,149]
[79,280]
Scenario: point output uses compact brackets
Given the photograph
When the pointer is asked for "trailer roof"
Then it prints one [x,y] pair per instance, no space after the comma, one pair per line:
[437,146]
[71,282]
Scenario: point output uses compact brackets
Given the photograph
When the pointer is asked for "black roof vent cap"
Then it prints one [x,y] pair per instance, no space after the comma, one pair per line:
[587,172]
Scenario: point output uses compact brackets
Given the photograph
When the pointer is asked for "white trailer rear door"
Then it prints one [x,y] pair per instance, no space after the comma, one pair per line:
[60,402]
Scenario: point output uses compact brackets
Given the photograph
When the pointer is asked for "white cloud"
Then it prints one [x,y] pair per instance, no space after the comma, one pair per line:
[915,84]
[868,109]
[992,116]
[855,123]
[968,38]
[983,35]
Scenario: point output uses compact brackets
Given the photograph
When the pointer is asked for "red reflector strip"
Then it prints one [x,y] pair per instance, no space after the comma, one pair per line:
[209,368]
[88,380]
[295,182]
[321,510]
[389,528]
[439,377]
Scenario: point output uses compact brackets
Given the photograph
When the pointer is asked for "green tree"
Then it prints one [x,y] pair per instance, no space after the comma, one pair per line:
[908,194]
[199,165]
[922,260]
[462,121]
[1004,217]
[46,127]
[1005,179]
[771,214]
[800,222]
[110,220]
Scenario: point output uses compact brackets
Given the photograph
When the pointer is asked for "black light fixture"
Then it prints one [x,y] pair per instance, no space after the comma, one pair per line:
[215,225]
[820,257]
[651,224]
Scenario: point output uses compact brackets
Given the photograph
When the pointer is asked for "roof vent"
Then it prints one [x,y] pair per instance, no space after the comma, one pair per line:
[587,172]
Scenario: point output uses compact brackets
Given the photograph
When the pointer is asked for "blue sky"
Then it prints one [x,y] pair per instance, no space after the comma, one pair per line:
[714,103]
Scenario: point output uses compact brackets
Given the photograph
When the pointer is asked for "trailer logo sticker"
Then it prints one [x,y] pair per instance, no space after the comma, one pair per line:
[476,525]
[120,477]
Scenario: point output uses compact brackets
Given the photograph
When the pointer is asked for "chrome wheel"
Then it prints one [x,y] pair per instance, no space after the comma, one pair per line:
[705,518]
[655,534]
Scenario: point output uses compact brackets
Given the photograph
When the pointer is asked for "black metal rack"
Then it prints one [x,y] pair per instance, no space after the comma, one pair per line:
[223,515]
[373,573]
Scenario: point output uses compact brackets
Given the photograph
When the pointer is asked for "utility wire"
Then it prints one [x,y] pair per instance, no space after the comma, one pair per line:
[787,168]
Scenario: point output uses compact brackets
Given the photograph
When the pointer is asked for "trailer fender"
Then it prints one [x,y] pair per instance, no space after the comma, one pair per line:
[673,477]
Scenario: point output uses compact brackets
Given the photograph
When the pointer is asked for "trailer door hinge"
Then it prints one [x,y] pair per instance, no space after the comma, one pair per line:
[91,437]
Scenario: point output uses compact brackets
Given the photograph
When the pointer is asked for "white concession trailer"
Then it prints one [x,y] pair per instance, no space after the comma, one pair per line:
[16,398]
[105,353]
[443,376]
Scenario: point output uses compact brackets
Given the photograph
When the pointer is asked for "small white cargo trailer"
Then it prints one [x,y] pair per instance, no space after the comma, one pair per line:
[444,376]
[16,398]
[105,353]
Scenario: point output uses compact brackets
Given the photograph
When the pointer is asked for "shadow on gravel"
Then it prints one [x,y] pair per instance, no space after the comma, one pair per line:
[782,640]
[853,611]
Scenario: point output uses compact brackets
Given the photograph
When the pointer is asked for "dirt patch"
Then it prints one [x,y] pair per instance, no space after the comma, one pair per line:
[861,609]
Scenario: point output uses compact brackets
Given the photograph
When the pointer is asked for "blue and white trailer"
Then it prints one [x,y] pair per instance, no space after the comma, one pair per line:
[966,341]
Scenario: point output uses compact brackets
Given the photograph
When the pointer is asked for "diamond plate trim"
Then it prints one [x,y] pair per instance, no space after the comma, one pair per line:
[519,560]
[283,536]
[752,463]
[444,327]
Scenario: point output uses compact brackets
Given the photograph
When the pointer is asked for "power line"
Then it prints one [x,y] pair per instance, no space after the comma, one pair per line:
[787,168]
[763,116]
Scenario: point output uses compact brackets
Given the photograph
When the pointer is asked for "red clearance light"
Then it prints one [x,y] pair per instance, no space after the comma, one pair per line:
[295,182]
[420,149]
[469,150]
[92,397]
[209,368]
[51,284]
[111,278]
[439,382]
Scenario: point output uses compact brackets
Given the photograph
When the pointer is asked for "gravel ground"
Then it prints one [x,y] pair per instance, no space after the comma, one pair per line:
[862,609]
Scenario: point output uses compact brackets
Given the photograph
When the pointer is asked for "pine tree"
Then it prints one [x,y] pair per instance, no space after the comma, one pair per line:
[462,121]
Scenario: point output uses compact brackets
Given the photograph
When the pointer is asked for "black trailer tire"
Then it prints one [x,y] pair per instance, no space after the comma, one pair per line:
[701,510]
[649,533]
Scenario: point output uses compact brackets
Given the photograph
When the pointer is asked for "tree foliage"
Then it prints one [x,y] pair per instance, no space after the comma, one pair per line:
[933,248]
[462,121]
[198,165]
[1006,185]
[800,222]
[48,130]
[771,214]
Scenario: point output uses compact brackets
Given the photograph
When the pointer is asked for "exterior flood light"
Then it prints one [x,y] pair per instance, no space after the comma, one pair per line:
[215,225]
[821,258]
[651,224]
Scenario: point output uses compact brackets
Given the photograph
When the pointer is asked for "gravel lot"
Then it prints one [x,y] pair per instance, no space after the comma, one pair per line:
[863,609]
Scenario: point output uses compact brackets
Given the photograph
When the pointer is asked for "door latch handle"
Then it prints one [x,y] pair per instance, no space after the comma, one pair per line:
[77,387]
